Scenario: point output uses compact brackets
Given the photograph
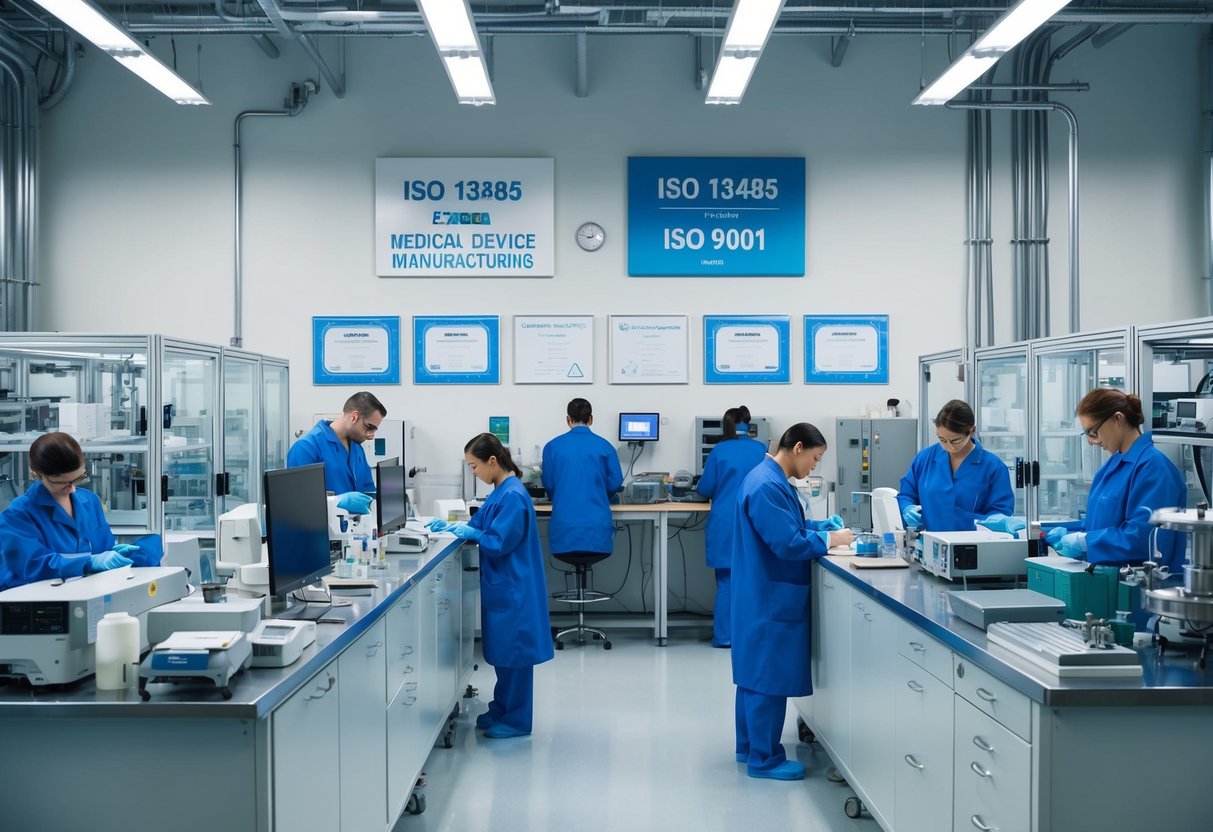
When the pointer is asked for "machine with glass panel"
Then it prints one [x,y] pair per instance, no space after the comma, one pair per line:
[942,377]
[168,427]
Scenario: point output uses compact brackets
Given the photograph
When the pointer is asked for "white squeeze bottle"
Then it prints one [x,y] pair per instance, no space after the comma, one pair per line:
[117,651]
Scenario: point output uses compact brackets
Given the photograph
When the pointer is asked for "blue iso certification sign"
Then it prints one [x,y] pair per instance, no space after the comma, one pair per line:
[716,216]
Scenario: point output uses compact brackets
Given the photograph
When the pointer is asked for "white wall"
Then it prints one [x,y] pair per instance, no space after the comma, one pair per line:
[136,229]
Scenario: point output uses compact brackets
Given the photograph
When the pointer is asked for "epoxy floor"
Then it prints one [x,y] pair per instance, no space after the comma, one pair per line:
[635,739]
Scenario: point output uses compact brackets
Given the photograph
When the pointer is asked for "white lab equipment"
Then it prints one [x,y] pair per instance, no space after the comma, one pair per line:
[450,509]
[977,554]
[194,614]
[345,528]
[117,651]
[240,553]
[213,655]
[280,642]
[886,514]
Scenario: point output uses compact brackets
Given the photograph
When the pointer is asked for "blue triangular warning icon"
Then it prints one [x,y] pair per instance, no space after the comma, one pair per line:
[575,371]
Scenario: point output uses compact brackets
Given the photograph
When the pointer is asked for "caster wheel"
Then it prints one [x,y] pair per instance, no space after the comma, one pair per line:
[448,740]
[834,776]
[225,692]
[416,804]
[804,732]
[852,807]
[560,645]
[606,645]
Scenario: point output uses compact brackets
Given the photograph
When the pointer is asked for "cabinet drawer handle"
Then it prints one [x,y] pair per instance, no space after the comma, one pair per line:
[827,584]
[867,616]
[322,691]
[976,821]
[918,647]
[859,605]
[404,605]
[408,651]
[372,650]
[980,772]
[914,763]
[915,686]
[411,686]
[986,695]
[983,745]
[408,700]
[408,668]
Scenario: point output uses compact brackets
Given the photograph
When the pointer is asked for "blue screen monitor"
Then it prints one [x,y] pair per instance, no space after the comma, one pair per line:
[639,427]
[296,527]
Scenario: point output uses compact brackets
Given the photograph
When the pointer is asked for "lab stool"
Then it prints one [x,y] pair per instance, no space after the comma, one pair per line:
[584,593]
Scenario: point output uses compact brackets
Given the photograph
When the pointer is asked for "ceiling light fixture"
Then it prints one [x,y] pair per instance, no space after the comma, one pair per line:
[454,35]
[94,26]
[1021,20]
[746,35]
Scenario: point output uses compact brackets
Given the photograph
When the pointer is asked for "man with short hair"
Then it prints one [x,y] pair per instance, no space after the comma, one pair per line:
[580,473]
[338,444]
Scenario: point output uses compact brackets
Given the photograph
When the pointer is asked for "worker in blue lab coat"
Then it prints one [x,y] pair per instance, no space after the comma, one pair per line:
[58,530]
[338,444]
[513,591]
[773,550]
[580,473]
[1137,479]
[728,463]
[956,482]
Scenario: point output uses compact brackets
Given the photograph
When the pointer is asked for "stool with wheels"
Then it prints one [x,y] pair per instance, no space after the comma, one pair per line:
[580,595]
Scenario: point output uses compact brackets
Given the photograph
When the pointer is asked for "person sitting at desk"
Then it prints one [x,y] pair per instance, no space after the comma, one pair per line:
[338,444]
[580,473]
[58,530]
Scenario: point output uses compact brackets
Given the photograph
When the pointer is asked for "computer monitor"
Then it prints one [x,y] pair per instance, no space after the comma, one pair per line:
[391,502]
[296,526]
[639,427]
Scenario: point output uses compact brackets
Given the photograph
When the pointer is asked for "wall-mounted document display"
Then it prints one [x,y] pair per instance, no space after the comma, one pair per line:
[352,350]
[747,349]
[553,349]
[723,216]
[464,217]
[649,349]
[846,349]
[456,349]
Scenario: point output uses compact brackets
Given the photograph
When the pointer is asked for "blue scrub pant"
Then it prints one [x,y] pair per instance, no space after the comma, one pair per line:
[759,728]
[722,610]
[514,697]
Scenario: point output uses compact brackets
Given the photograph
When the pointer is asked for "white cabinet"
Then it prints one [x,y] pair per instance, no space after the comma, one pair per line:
[923,754]
[993,774]
[831,699]
[448,618]
[402,637]
[363,744]
[874,672]
[406,748]
[431,698]
[307,793]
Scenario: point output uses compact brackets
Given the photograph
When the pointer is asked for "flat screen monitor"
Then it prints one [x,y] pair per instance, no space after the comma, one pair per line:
[296,527]
[391,503]
[639,427]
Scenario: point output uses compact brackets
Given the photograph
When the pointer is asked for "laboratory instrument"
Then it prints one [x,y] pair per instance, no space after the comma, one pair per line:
[194,613]
[1192,604]
[215,655]
[639,427]
[647,487]
[980,555]
[682,488]
[280,642]
[709,431]
[48,629]
[240,555]
[1063,651]
[297,534]
[1082,587]
[983,607]
[872,453]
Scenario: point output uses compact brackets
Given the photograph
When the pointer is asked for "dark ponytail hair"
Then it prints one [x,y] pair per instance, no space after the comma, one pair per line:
[485,446]
[957,417]
[1103,403]
[805,434]
[54,454]
[733,417]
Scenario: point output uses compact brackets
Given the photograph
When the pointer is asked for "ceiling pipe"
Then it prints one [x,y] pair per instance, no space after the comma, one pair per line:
[267,46]
[839,46]
[583,68]
[486,46]
[275,17]
[701,72]
[1206,117]
[336,82]
[1110,34]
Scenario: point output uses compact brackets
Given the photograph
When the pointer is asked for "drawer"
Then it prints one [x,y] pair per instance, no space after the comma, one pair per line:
[402,640]
[998,699]
[993,775]
[926,652]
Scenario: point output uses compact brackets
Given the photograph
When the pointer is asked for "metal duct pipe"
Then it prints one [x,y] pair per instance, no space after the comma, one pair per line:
[1110,34]
[267,46]
[1207,180]
[336,83]
[486,46]
[18,196]
[69,75]
[1073,178]
[583,65]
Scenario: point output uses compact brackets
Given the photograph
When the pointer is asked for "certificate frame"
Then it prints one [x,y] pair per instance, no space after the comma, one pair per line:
[427,370]
[357,329]
[829,367]
[668,334]
[536,362]
[718,369]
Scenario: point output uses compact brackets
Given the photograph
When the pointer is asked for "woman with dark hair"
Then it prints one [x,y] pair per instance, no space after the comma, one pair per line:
[773,552]
[1137,479]
[728,463]
[513,590]
[957,482]
[57,530]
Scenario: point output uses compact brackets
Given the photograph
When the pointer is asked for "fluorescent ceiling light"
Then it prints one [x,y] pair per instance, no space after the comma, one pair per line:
[106,35]
[1020,21]
[454,35]
[750,25]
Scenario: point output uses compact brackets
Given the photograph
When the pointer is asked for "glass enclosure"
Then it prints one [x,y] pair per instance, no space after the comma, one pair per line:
[189,388]
[276,405]
[942,377]
[240,449]
[1001,408]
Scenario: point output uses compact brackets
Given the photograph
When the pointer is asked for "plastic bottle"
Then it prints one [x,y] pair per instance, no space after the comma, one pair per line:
[117,651]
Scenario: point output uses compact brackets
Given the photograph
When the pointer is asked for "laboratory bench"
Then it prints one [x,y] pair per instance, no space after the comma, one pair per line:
[333,742]
[935,729]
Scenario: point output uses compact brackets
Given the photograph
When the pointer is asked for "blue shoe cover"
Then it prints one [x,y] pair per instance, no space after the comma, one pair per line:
[501,731]
[787,770]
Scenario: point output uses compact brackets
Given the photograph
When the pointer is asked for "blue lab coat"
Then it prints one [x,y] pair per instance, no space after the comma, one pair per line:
[580,472]
[727,466]
[773,552]
[980,487]
[39,541]
[1125,491]
[513,590]
[343,470]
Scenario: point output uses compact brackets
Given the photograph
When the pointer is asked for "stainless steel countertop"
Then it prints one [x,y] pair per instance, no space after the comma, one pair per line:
[922,599]
[257,690]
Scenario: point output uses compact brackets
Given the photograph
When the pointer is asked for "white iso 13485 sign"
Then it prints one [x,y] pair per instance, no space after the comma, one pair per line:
[464,217]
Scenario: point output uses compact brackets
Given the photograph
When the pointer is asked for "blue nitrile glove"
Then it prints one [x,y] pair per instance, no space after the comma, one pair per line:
[438,525]
[464,532]
[833,523]
[355,502]
[1054,535]
[125,548]
[107,560]
[1072,545]
[1003,523]
[912,516]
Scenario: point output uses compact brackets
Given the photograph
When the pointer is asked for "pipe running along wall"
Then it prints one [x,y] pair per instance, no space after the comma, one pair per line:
[18,187]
